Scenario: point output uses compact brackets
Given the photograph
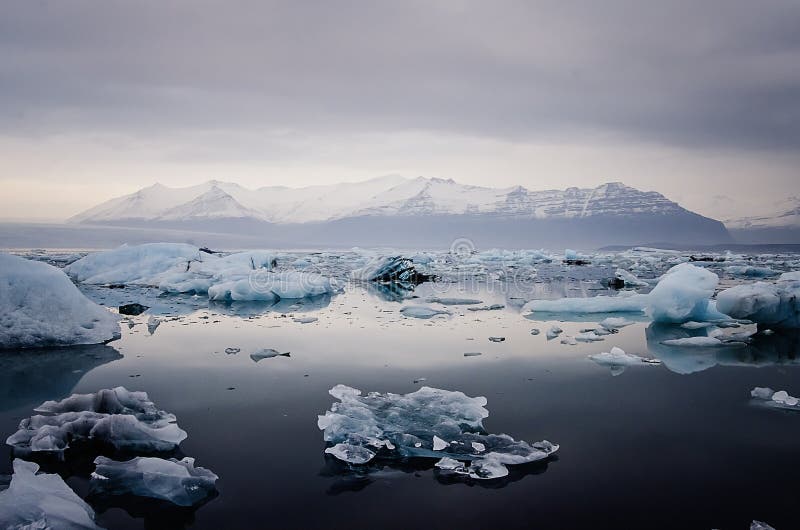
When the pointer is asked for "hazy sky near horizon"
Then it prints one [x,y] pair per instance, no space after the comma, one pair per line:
[699,100]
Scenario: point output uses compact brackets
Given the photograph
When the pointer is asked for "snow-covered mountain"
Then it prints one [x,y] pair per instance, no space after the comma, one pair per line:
[780,226]
[384,196]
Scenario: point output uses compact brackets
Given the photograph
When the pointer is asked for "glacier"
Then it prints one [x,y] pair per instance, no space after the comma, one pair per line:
[428,423]
[172,480]
[40,306]
[42,501]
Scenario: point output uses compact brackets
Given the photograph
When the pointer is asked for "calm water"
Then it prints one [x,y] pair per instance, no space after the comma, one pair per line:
[671,446]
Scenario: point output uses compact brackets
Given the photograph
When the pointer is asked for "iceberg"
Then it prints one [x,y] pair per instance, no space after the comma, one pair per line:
[683,294]
[40,306]
[134,264]
[772,304]
[617,360]
[175,481]
[125,420]
[273,286]
[428,423]
[42,501]
[389,269]
[751,271]
[625,302]
[629,279]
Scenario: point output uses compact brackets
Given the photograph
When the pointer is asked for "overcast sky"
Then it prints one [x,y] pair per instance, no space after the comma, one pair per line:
[699,100]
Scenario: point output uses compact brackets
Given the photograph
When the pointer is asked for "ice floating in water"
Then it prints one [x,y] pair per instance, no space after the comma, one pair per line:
[390,269]
[588,336]
[453,301]
[305,320]
[554,332]
[41,502]
[497,339]
[750,271]
[273,286]
[493,307]
[152,324]
[535,331]
[701,342]
[771,304]
[617,360]
[615,322]
[759,525]
[625,302]
[133,264]
[629,279]
[421,311]
[125,420]
[569,341]
[268,353]
[40,306]
[175,481]
[428,423]
[683,294]
[769,398]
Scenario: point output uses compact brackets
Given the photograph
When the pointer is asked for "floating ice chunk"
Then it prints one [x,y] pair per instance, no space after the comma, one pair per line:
[453,301]
[305,320]
[175,481]
[438,443]
[589,336]
[421,311]
[750,271]
[472,354]
[682,294]
[41,502]
[615,322]
[133,264]
[625,302]
[450,464]
[117,417]
[497,339]
[629,279]
[769,304]
[152,324]
[696,325]
[268,353]
[390,269]
[554,332]
[535,331]
[793,276]
[493,307]
[617,360]
[419,424]
[769,398]
[40,306]
[272,286]
[759,525]
[569,341]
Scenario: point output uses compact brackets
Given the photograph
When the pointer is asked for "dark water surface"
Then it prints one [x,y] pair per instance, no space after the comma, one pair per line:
[650,448]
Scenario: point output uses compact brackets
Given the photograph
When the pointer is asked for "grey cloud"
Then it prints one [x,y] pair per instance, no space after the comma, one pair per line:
[713,73]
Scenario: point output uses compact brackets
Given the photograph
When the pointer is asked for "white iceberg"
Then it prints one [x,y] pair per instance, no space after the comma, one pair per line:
[175,481]
[683,294]
[615,322]
[751,271]
[273,286]
[117,417]
[428,423]
[771,304]
[629,278]
[40,306]
[43,501]
[134,264]
[625,302]
[617,360]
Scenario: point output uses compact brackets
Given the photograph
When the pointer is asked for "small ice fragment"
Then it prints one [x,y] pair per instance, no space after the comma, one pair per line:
[478,447]
[590,336]
[615,322]
[453,301]
[232,351]
[472,354]
[449,464]
[700,342]
[780,399]
[419,380]
[554,332]
[353,454]
[535,331]
[497,339]
[420,311]
[267,353]
[570,341]
[305,320]
[438,443]
[696,325]
[759,525]
[152,324]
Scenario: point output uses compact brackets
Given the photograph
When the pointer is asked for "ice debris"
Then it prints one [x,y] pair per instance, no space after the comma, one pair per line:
[421,311]
[769,398]
[553,332]
[428,423]
[172,480]
[40,306]
[617,360]
[41,501]
[126,420]
[268,353]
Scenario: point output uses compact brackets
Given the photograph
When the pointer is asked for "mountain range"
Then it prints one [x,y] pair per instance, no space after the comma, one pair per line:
[395,210]
[781,225]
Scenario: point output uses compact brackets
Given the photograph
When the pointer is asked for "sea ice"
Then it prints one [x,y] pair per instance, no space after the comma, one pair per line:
[40,502]
[175,481]
[617,360]
[117,417]
[428,423]
[771,304]
[40,306]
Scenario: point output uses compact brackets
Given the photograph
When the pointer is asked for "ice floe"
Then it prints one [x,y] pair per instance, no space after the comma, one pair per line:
[42,501]
[428,423]
[117,417]
[770,398]
[267,353]
[40,306]
[421,311]
[617,360]
[172,480]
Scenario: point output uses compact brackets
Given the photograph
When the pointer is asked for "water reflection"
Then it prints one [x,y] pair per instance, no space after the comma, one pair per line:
[780,348]
[31,376]
[352,479]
